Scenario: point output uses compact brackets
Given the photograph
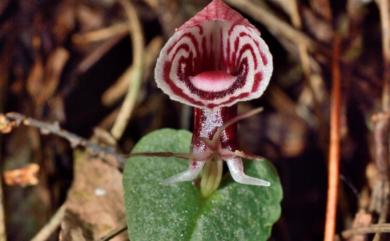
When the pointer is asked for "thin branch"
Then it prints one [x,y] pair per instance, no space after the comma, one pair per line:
[334,146]
[96,54]
[113,233]
[384,10]
[302,49]
[316,93]
[381,123]
[137,39]
[119,89]
[380,194]
[374,228]
[13,119]
[3,233]
[185,156]
[100,34]
[218,133]
[274,24]
[51,226]
[4,66]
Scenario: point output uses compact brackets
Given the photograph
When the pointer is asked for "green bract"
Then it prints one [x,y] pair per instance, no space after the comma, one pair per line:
[154,212]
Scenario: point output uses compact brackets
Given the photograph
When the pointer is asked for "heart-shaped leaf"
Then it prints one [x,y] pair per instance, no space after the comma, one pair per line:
[234,212]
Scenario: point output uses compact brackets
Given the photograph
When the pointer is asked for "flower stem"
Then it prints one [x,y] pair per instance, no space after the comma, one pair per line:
[206,125]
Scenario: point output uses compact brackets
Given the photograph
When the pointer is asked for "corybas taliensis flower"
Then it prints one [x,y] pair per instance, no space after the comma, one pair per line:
[214,60]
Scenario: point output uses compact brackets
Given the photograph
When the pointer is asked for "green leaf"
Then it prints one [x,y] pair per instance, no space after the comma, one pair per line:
[154,212]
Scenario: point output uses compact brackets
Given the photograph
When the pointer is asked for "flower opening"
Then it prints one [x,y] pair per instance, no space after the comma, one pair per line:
[216,59]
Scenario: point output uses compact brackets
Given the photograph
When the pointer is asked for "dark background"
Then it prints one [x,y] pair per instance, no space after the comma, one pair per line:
[53,69]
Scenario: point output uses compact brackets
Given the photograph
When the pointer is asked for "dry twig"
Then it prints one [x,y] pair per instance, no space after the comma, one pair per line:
[118,90]
[3,234]
[4,65]
[113,233]
[137,70]
[380,192]
[316,90]
[100,34]
[275,25]
[375,228]
[362,219]
[51,226]
[384,9]
[11,120]
[302,49]
[380,196]
[97,54]
[108,154]
[334,146]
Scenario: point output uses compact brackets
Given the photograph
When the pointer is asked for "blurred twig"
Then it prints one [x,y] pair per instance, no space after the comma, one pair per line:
[310,80]
[137,70]
[374,228]
[100,34]
[274,24]
[11,120]
[152,3]
[380,193]
[51,226]
[384,9]
[334,146]
[3,234]
[118,90]
[5,62]
[97,54]
[380,196]
[302,49]
[362,219]
[113,233]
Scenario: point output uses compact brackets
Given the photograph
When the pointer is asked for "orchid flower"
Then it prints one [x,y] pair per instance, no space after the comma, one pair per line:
[214,60]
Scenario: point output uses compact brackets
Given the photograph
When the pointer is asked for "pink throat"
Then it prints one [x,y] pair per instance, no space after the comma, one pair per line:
[213,81]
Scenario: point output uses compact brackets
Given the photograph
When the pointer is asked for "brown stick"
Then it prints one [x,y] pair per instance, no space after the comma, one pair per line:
[381,122]
[315,90]
[380,194]
[3,234]
[11,120]
[119,89]
[384,10]
[137,39]
[302,49]
[275,25]
[100,34]
[305,58]
[51,226]
[375,228]
[334,146]
[113,233]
